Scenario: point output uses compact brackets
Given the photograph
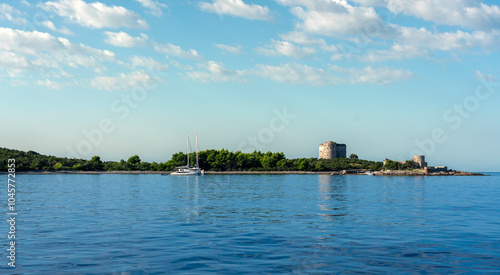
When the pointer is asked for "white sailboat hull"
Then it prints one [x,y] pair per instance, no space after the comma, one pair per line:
[189,170]
[185,173]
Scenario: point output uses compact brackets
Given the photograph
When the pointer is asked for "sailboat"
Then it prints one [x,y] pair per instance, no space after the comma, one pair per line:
[189,170]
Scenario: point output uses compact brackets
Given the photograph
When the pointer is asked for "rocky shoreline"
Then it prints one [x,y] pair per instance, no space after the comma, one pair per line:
[423,173]
[419,172]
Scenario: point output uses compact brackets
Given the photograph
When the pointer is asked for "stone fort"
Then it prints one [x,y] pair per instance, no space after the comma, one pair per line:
[331,150]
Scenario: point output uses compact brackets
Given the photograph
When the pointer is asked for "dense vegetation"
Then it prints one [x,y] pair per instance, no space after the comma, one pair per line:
[210,160]
[396,165]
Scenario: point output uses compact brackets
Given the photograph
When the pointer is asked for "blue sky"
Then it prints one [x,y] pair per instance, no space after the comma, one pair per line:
[390,78]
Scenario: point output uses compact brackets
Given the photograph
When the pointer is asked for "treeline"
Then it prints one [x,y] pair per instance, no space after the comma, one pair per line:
[396,165]
[224,160]
[30,161]
[210,160]
[33,161]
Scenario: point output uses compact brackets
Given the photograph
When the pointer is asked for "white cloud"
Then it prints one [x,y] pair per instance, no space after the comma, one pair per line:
[10,14]
[362,26]
[486,77]
[335,18]
[397,52]
[466,13]
[13,73]
[304,39]
[237,8]
[153,6]
[230,49]
[124,81]
[325,5]
[379,76]
[51,84]
[49,55]
[35,42]
[81,60]
[123,39]
[286,48]
[371,2]
[181,66]
[173,50]
[447,41]
[295,73]
[50,25]
[148,62]
[95,15]
[216,72]
[18,82]
[13,60]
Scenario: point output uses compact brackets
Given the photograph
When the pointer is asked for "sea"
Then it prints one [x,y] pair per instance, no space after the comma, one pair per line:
[253,224]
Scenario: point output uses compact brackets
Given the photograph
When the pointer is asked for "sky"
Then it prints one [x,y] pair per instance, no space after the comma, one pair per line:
[389,78]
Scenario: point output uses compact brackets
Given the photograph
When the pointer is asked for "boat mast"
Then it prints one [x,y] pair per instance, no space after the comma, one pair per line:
[187,150]
[197,165]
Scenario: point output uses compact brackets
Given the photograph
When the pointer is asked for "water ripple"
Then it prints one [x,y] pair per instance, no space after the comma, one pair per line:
[298,224]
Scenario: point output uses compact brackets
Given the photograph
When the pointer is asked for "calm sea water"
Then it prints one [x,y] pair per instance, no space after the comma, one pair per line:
[153,224]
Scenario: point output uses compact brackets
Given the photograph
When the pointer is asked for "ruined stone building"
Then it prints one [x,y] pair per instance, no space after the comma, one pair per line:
[331,150]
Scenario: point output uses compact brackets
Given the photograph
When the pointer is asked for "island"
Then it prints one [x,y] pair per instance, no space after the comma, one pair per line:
[217,162]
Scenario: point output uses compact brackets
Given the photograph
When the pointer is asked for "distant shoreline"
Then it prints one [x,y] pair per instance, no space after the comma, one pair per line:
[344,172]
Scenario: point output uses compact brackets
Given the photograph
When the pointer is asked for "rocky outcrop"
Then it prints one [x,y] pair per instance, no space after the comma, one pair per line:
[422,172]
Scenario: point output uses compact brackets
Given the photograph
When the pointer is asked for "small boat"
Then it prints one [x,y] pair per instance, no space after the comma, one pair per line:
[189,170]
[370,173]
[186,171]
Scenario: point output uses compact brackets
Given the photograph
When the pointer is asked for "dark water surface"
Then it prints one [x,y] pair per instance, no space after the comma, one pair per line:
[153,224]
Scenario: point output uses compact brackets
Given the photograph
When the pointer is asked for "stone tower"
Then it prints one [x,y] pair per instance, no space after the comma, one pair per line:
[419,161]
[331,150]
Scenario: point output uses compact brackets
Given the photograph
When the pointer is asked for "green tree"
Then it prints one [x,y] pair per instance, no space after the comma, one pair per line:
[123,166]
[154,166]
[80,167]
[96,164]
[179,159]
[408,165]
[353,156]
[302,164]
[242,160]
[320,166]
[134,162]
[390,165]
[145,166]
[163,166]
[268,162]
[375,166]
[222,160]
[283,165]
[58,166]
[109,166]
